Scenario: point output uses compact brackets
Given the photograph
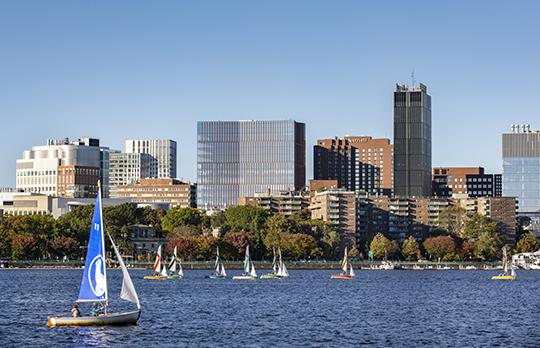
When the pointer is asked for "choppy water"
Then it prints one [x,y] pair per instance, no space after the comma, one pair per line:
[379,308]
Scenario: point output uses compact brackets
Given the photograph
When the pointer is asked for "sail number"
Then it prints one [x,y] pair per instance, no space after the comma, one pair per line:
[96,226]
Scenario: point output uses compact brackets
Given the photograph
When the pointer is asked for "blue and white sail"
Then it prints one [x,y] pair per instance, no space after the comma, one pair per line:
[94,281]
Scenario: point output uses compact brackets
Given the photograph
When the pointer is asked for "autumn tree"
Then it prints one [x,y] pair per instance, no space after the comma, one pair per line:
[185,247]
[527,243]
[299,246]
[64,246]
[24,247]
[235,243]
[383,248]
[442,247]
[410,249]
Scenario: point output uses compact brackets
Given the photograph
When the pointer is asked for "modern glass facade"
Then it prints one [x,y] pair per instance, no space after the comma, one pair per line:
[521,168]
[240,158]
[412,141]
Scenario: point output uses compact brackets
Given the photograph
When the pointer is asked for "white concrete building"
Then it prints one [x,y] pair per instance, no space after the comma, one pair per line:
[127,169]
[163,152]
[41,169]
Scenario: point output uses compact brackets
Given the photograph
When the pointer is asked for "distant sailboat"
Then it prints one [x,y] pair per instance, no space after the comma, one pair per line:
[282,270]
[172,267]
[275,268]
[159,271]
[346,268]
[249,269]
[505,275]
[94,281]
[219,269]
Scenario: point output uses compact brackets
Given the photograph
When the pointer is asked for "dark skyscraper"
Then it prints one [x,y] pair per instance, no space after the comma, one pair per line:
[412,141]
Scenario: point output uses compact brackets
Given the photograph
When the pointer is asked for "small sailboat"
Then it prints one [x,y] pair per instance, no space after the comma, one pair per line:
[505,275]
[346,268]
[159,272]
[249,269]
[94,281]
[282,270]
[172,267]
[219,271]
[275,268]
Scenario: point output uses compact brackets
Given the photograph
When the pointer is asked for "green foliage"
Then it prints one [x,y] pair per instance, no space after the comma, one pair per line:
[527,243]
[383,248]
[177,217]
[483,234]
[276,227]
[328,239]
[452,221]
[410,249]
[442,247]
[299,246]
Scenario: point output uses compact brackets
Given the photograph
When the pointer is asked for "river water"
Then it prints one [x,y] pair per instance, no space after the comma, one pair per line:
[377,308]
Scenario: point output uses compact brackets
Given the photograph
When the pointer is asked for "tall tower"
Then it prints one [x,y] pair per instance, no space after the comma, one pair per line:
[412,141]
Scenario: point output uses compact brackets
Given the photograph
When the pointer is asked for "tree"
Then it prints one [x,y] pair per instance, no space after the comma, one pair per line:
[24,247]
[205,247]
[236,242]
[442,247]
[383,248]
[249,219]
[476,225]
[276,227]
[487,245]
[177,217]
[184,231]
[527,243]
[328,239]
[64,246]
[299,246]
[185,247]
[452,221]
[410,249]
[217,219]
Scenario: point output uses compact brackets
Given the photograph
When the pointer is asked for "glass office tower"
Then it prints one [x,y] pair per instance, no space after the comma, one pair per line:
[240,158]
[412,141]
[521,168]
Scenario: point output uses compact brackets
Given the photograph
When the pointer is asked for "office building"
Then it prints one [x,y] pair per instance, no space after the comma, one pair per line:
[473,182]
[521,168]
[127,168]
[163,152]
[170,192]
[61,168]
[241,158]
[358,163]
[412,141]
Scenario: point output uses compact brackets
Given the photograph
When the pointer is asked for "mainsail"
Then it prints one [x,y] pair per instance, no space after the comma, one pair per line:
[345,262]
[94,281]
[172,264]
[157,263]
[246,261]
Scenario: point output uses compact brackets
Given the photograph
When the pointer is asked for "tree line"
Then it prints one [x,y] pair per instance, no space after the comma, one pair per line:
[456,236]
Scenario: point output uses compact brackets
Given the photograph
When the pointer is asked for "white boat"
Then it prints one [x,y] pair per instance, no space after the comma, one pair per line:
[529,261]
[282,269]
[219,272]
[94,281]
[172,267]
[249,269]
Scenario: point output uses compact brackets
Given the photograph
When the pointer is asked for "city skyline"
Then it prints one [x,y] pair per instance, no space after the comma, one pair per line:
[158,82]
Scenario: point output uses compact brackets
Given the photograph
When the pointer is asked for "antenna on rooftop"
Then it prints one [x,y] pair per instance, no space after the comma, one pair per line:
[412,78]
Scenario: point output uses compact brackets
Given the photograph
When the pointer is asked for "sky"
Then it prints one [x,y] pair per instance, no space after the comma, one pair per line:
[118,70]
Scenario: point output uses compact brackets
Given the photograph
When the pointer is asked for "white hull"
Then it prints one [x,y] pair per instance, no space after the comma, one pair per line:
[242,277]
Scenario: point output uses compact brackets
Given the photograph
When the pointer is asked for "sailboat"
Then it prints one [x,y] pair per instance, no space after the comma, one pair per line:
[505,275]
[94,281]
[219,272]
[172,267]
[275,268]
[159,272]
[346,268]
[282,270]
[249,269]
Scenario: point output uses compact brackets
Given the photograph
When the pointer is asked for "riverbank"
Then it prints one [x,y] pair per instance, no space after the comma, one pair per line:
[330,265]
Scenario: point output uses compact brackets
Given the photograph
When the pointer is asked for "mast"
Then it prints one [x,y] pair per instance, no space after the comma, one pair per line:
[103,246]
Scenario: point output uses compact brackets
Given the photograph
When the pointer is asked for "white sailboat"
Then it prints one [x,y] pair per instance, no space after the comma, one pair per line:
[219,268]
[159,271]
[94,282]
[249,269]
[172,267]
[346,268]
[282,269]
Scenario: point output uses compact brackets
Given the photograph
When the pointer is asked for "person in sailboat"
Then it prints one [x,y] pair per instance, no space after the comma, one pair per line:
[75,312]
[97,309]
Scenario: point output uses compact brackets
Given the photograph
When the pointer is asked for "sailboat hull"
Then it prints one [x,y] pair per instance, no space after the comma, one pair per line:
[113,319]
[244,277]
[215,276]
[503,277]
[175,277]
[341,276]
[270,276]
[156,277]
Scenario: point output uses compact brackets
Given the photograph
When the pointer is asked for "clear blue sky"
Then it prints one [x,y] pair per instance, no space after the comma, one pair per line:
[150,69]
